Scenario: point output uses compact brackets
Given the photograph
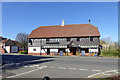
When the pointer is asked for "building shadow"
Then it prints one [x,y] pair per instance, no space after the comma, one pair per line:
[22,58]
[7,73]
[27,64]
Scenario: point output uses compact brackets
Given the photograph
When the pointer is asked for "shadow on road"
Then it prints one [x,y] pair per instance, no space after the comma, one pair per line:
[22,58]
[28,64]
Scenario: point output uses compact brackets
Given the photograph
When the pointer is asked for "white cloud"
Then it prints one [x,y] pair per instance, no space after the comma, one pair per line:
[106,36]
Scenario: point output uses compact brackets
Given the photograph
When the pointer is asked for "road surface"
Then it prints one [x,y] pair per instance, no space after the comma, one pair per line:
[61,67]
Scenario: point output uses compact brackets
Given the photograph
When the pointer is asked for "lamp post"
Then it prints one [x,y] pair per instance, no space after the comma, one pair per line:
[89,37]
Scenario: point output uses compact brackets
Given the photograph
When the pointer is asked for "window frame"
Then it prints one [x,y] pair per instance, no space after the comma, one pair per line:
[91,39]
[68,39]
[78,39]
[47,39]
[34,49]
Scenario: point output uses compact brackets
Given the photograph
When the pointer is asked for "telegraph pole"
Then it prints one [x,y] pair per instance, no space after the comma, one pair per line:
[89,37]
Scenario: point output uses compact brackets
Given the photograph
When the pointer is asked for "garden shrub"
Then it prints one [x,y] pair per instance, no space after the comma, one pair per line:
[23,52]
[111,52]
[118,52]
[66,53]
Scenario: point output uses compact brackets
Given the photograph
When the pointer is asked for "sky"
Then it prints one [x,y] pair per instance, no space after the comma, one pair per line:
[23,17]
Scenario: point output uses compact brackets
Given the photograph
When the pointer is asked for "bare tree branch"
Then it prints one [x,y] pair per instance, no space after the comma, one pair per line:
[22,39]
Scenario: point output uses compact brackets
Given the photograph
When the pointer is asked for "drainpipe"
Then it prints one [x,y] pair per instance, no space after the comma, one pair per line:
[41,46]
[89,37]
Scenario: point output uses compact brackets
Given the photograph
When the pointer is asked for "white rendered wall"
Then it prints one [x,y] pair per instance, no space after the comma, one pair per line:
[7,48]
[31,49]
[53,50]
[44,51]
[67,50]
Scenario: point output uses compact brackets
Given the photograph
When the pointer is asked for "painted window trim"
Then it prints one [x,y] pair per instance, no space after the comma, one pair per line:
[34,49]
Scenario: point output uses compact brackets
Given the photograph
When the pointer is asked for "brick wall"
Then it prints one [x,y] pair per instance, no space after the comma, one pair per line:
[33,53]
[53,54]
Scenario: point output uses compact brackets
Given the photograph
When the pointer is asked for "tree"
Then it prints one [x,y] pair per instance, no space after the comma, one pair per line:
[105,43]
[22,39]
[102,42]
[108,40]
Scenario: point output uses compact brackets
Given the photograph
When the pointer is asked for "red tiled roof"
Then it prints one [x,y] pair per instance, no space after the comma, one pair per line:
[74,30]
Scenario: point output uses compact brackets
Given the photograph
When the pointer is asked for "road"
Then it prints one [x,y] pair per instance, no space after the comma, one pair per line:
[61,66]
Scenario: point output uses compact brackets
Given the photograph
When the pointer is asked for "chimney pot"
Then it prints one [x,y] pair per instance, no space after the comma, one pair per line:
[63,23]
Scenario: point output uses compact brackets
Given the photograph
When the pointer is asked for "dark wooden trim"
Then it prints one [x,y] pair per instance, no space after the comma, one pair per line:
[65,37]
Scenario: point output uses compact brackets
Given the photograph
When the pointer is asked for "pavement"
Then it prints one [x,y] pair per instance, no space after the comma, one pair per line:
[60,66]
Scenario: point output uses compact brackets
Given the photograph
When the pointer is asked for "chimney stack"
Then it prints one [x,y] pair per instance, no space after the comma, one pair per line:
[63,23]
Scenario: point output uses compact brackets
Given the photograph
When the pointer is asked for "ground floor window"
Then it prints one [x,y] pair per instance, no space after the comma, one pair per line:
[73,51]
[34,49]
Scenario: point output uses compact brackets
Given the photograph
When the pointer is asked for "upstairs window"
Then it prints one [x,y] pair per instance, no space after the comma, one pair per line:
[68,39]
[91,39]
[78,39]
[47,39]
[30,41]
[57,40]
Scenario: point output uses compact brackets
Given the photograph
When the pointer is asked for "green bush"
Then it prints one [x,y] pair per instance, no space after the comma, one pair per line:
[23,52]
[78,54]
[118,52]
[66,54]
[111,52]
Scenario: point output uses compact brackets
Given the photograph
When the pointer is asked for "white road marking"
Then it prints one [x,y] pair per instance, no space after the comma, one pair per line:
[84,69]
[61,67]
[95,70]
[26,66]
[93,75]
[107,72]
[27,72]
[72,68]
[104,73]
[51,67]
[32,66]
[17,63]
[111,71]
[35,65]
